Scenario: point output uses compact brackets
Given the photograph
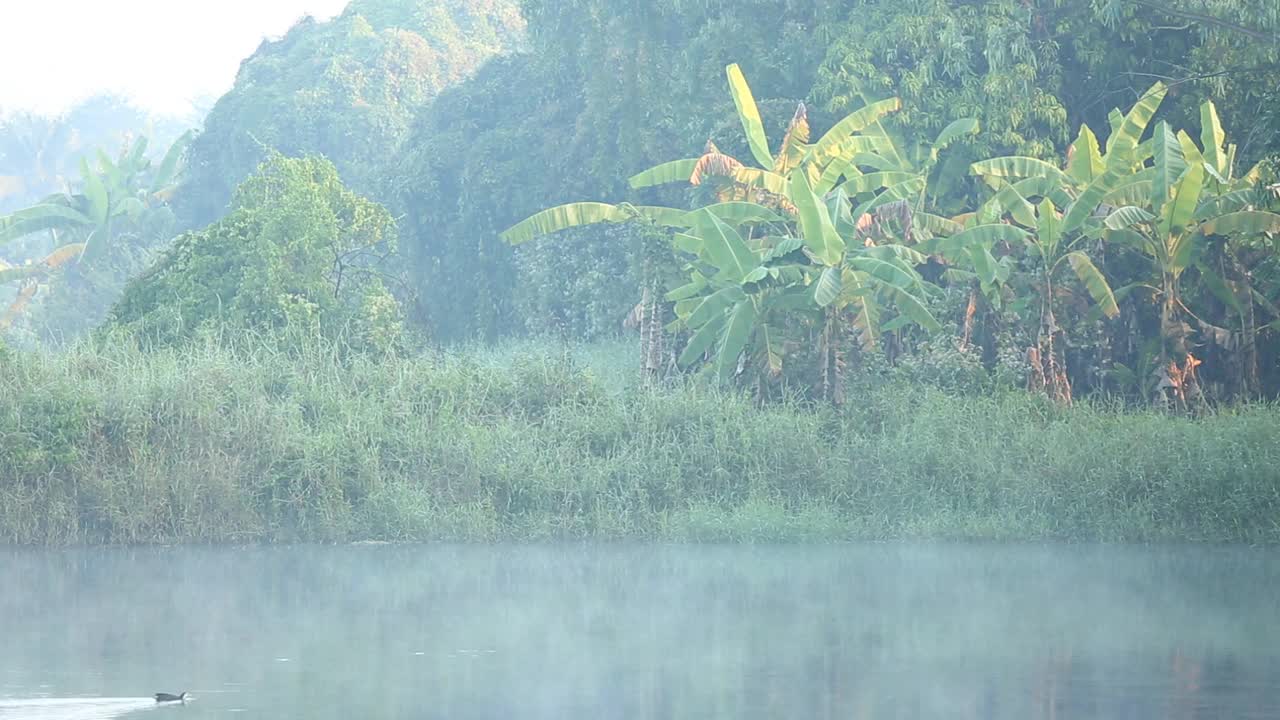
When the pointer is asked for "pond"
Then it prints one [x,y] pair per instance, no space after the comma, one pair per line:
[740,632]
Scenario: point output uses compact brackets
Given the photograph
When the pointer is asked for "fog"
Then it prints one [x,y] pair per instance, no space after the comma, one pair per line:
[273,273]
[162,55]
[711,632]
[127,68]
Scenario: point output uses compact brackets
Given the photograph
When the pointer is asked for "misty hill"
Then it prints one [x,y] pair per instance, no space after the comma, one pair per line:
[346,88]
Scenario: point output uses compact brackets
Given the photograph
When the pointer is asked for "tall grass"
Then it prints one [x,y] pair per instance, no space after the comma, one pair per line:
[242,442]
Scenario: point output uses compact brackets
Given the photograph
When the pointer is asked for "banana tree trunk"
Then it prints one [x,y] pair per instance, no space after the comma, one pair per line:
[650,315]
[1048,371]
[1250,384]
[1179,382]
[652,341]
[966,335]
[832,359]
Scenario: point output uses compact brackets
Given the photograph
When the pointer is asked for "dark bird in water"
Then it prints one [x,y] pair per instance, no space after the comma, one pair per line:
[166,697]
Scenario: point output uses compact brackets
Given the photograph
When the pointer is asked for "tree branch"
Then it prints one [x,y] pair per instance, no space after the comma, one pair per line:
[1207,19]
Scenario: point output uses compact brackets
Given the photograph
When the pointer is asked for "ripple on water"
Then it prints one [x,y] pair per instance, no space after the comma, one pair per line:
[72,708]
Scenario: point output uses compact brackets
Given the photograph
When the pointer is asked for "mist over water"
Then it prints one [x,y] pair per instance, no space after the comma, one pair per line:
[879,631]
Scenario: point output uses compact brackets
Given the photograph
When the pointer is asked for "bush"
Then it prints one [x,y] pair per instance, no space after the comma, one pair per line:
[299,253]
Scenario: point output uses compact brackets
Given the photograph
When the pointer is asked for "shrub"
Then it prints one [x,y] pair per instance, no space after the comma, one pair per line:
[299,252]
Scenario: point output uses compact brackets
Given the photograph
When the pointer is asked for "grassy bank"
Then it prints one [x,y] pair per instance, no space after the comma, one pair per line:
[217,444]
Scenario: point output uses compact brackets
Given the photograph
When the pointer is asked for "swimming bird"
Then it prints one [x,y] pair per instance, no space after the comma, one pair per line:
[166,697]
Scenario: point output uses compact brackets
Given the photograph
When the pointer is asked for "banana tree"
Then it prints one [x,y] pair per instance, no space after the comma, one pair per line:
[840,189]
[1029,192]
[1241,247]
[1240,237]
[117,199]
[745,295]
[856,282]
[854,154]
[1194,196]
[738,297]
[755,200]
[1055,247]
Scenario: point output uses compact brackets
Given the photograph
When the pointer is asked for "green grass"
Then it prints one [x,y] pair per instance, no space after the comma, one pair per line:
[535,441]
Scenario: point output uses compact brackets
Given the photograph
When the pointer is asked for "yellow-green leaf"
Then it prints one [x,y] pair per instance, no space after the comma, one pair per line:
[561,217]
[702,341]
[1170,163]
[829,144]
[1186,196]
[749,114]
[1093,280]
[1124,141]
[815,223]
[1017,166]
[827,288]
[737,333]
[1085,157]
[725,247]
[1248,222]
[1090,198]
[910,306]
[676,171]
[1212,138]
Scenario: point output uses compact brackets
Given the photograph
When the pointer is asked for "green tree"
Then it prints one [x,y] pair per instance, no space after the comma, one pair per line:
[949,60]
[1219,50]
[299,252]
[798,251]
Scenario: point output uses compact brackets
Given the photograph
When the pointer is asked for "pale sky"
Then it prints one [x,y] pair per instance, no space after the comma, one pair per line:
[161,53]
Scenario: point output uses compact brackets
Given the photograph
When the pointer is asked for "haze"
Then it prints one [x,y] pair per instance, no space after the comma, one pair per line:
[162,54]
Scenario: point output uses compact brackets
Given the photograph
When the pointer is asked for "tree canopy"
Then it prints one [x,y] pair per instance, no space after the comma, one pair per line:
[297,252]
[607,86]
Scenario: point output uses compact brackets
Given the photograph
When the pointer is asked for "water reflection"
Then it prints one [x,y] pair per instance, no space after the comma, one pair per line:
[887,631]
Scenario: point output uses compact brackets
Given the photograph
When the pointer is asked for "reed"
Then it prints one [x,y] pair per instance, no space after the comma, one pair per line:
[240,441]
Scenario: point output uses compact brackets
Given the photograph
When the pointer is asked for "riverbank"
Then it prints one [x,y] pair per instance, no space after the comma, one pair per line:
[213,444]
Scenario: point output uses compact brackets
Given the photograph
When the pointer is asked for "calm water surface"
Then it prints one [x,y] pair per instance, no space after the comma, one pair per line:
[864,631]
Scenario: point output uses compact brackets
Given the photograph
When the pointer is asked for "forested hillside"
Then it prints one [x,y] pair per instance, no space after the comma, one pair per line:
[347,89]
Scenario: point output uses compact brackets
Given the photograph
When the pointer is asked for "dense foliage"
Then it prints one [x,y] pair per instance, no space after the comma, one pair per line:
[240,442]
[605,88]
[298,253]
[346,89]
[826,237]
[610,87]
